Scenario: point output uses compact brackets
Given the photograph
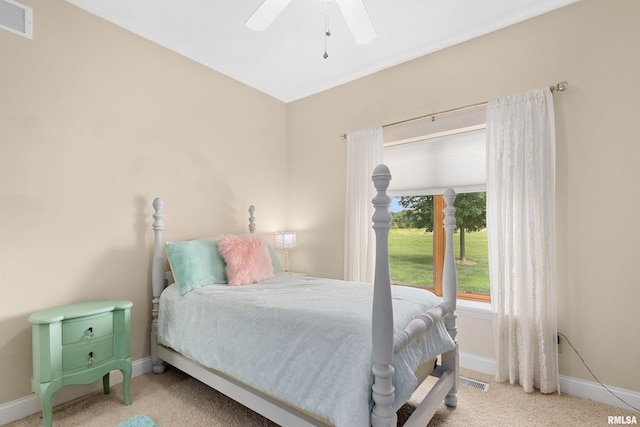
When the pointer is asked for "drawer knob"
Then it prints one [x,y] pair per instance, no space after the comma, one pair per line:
[91,334]
[91,358]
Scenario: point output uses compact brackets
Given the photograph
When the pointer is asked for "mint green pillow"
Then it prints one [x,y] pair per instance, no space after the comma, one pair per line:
[275,261]
[195,263]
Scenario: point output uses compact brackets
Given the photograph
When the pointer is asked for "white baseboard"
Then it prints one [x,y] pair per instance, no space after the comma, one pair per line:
[569,385]
[596,392]
[28,405]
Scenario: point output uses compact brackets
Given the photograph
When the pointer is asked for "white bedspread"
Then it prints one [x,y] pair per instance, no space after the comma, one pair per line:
[304,340]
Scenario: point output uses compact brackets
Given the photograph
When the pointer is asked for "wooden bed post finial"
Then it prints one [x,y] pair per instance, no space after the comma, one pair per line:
[158,204]
[252,219]
[383,392]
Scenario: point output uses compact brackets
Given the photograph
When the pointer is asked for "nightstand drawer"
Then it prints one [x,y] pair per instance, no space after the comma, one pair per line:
[87,328]
[87,355]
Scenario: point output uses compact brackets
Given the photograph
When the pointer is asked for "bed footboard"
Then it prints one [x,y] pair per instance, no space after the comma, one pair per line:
[385,342]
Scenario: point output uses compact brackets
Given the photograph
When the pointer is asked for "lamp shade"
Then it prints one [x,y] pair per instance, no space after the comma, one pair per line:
[286,240]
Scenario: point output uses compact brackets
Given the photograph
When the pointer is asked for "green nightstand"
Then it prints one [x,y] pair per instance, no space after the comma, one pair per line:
[79,344]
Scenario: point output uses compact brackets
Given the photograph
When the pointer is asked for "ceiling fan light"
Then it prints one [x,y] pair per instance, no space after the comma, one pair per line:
[358,20]
[265,14]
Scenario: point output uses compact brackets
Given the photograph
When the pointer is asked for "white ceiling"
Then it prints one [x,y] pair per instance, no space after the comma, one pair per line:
[286,60]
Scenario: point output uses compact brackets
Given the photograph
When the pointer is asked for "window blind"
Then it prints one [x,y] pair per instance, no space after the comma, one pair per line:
[451,156]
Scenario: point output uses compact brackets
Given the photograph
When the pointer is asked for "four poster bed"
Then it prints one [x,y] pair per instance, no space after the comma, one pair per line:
[305,351]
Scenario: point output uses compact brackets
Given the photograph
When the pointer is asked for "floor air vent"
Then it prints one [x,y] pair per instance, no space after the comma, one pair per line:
[474,383]
[16,17]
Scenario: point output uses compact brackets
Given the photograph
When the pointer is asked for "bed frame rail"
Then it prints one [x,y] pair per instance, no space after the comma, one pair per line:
[423,323]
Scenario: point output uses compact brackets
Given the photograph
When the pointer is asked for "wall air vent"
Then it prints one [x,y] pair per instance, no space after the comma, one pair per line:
[17,18]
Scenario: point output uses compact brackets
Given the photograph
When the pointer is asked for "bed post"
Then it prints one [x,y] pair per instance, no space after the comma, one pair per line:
[157,282]
[382,320]
[450,360]
[252,219]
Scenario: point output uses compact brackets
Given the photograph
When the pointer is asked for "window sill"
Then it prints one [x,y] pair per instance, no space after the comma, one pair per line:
[475,309]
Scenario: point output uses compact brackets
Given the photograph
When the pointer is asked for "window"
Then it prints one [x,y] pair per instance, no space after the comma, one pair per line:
[426,156]
[416,248]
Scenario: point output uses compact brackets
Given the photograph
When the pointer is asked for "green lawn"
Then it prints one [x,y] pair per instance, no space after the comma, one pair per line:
[411,259]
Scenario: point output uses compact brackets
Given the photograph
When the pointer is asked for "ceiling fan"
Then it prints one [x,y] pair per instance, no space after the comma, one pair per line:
[354,12]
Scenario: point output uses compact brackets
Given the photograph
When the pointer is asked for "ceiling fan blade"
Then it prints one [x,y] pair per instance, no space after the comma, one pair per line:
[357,18]
[266,13]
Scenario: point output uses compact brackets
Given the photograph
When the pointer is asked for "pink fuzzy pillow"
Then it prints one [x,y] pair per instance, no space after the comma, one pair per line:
[247,259]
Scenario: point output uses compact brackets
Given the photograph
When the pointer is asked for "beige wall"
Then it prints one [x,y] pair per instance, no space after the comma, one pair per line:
[593,45]
[94,123]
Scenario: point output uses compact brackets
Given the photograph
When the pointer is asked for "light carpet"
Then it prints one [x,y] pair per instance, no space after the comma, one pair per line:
[175,399]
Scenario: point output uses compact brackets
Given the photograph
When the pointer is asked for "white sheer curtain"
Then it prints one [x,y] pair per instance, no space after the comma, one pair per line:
[521,235]
[364,153]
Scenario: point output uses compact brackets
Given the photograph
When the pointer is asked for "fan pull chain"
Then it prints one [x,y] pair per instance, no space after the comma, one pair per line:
[327,30]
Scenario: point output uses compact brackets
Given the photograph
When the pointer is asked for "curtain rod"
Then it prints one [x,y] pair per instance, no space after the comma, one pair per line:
[558,87]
